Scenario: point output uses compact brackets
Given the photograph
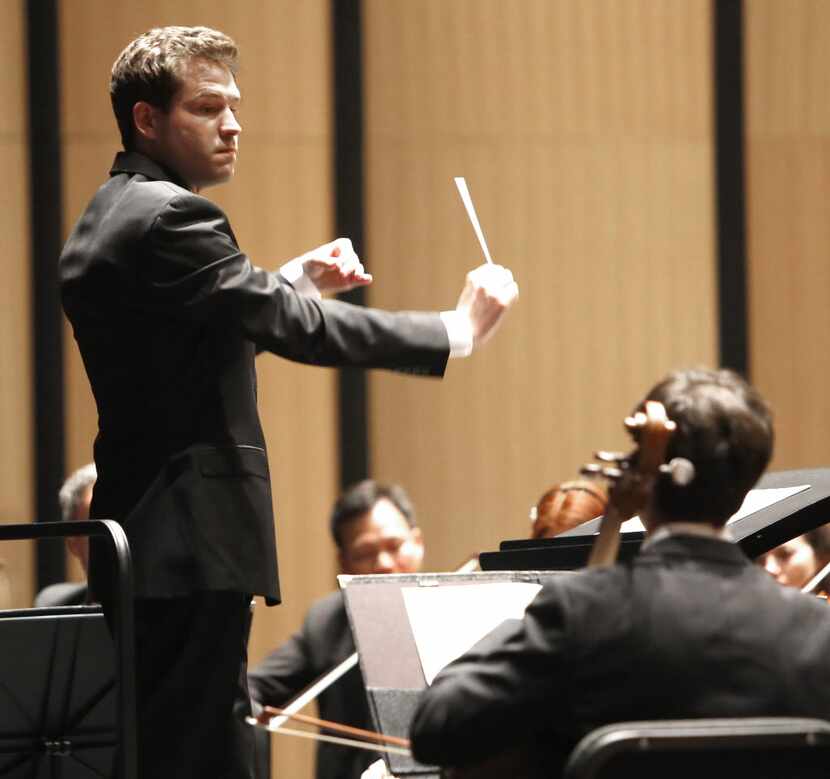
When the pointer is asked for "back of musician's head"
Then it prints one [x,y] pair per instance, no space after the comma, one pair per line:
[724,427]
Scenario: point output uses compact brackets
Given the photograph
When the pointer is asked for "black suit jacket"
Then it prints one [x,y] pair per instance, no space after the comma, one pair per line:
[168,314]
[689,628]
[324,641]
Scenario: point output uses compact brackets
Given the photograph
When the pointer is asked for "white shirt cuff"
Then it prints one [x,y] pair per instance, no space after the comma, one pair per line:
[460,333]
[294,274]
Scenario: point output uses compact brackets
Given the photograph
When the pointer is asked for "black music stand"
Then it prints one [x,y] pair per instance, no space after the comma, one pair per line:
[756,533]
[389,659]
[67,692]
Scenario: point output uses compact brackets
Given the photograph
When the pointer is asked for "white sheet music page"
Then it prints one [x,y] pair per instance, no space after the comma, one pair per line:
[447,620]
[755,500]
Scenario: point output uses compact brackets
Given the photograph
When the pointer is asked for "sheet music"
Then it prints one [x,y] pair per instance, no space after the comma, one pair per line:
[755,500]
[446,621]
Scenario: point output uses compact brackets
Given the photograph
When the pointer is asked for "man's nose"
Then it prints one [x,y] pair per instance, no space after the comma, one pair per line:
[230,124]
[771,565]
[385,563]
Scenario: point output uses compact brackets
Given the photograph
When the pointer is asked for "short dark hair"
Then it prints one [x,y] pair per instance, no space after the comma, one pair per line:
[724,427]
[361,498]
[149,69]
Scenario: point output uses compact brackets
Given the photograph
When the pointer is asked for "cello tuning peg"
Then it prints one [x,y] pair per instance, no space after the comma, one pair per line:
[636,421]
[681,470]
[609,457]
[612,473]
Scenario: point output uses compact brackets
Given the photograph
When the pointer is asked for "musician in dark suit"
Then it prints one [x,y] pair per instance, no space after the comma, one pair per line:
[75,497]
[169,313]
[373,526]
[688,628]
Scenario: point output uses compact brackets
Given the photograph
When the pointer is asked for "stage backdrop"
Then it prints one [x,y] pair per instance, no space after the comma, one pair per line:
[585,133]
[16,427]
[788,236]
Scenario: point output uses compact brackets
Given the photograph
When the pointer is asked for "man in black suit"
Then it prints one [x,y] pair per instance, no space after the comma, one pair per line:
[169,314]
[373,526]
[688,628]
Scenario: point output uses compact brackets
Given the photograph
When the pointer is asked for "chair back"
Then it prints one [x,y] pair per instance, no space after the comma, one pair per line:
[757,747]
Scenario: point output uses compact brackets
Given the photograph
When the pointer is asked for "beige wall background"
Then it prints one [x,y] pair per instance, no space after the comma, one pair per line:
[585,133]
[16,428]
[584,130]
[788,189]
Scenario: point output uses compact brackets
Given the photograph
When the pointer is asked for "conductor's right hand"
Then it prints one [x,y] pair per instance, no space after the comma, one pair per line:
[488,292]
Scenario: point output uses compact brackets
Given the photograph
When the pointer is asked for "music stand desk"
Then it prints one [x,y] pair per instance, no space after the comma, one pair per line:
[756,533]
[70,630]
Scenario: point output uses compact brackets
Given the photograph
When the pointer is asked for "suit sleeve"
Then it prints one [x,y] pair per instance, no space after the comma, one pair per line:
[196,270]
[503,690]
[284,672]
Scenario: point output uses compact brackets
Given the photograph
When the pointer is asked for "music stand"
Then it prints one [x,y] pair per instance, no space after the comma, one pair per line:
[57,694]
[756,533]
[67,691]
[389,659]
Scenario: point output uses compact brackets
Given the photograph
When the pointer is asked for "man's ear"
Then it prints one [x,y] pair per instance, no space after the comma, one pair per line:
[145,119]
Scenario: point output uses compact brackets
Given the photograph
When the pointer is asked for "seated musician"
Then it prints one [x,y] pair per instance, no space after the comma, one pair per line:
[563,507]
[800,559]
[373,526]
[688,628]
[75,497]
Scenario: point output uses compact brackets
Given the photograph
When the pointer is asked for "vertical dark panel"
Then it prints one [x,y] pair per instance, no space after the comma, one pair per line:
[730,183]
[46,227]
[348,210]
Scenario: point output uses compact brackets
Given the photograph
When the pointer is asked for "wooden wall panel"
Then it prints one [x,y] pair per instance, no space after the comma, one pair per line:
[16,455]
[788,237]
[279,205]
[585,133]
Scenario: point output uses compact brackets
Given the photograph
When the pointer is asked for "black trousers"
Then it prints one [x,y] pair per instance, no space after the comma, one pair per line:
[191,686]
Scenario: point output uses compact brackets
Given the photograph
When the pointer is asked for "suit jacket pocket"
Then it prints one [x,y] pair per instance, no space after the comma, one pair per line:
[218,462]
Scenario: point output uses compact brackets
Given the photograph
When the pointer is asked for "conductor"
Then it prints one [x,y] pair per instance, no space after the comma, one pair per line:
[168,313]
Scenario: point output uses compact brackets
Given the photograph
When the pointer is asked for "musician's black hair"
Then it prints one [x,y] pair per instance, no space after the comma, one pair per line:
[724,427]
[361,498]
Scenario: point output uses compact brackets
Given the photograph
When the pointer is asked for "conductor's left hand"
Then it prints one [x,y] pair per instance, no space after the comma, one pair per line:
[335,267]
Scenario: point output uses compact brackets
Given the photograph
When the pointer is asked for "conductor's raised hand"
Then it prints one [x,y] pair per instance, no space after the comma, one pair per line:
[335,267]
[488,292]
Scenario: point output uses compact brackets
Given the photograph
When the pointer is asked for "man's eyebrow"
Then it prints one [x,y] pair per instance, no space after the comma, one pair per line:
[232,97]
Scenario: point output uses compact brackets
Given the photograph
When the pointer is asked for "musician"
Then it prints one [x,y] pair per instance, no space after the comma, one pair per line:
[74,497]
[564,506]
[688,628]
[373,526]
[169,313]
[797,561]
